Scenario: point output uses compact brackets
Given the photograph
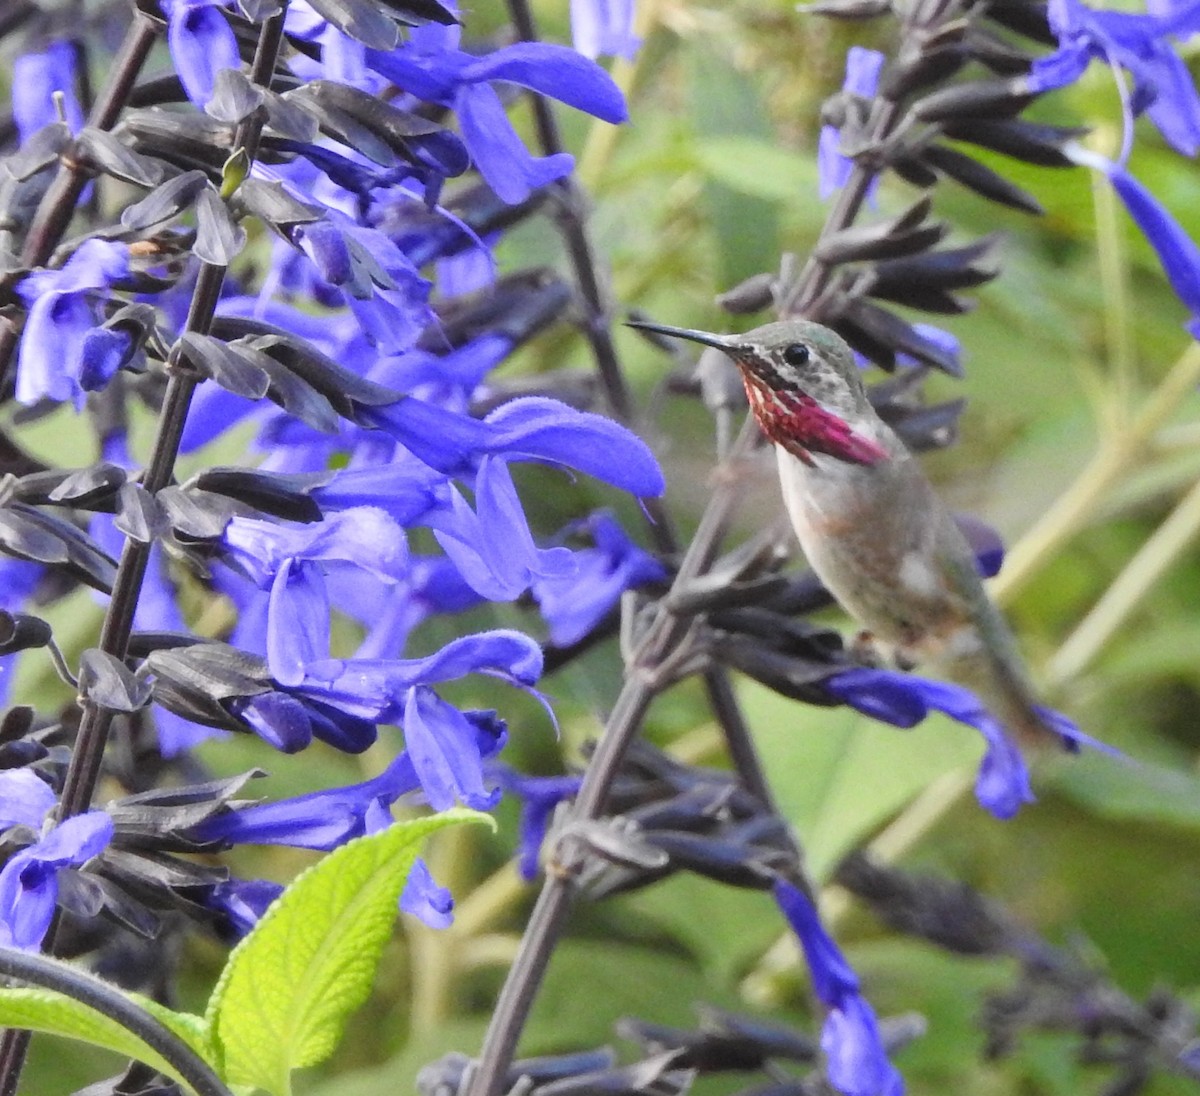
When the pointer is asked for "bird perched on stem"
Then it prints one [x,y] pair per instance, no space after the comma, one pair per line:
[870,523]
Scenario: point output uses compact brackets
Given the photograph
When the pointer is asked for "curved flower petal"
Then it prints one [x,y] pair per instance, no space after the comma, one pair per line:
[423,898]
[444,749]
[557,71]
[499,154]
[202,43]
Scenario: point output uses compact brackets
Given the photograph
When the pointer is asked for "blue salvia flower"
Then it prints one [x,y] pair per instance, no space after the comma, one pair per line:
[433,68]
[382,288]
[572,604]
[241,902]
[35,79]
[539,796]
[1178,253]
[856,1062]
[533,428]
[377,688]
[1140,44]
[493,548]
[29,879]
[201,42]
[862,77]
[904,700]
[423,898]
[604,28]
[62,326]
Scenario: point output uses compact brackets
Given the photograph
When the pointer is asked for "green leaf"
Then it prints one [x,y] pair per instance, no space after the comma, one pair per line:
[758,167]
[1132,791]
[52,1013]
[289,987]
[727,105]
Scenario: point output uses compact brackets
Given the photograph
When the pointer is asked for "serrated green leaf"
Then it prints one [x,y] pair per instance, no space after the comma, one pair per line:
[52,1013]
[289,987]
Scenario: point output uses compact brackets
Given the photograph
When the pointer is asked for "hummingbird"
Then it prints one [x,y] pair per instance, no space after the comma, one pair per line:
[869,521]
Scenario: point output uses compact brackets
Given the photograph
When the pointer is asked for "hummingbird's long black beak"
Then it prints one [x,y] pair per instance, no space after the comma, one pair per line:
[721,342]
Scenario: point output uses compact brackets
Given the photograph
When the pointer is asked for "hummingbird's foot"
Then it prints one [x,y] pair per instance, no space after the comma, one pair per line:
[866,651]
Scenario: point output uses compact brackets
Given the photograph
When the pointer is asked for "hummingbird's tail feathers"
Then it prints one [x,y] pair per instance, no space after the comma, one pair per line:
[1009,696]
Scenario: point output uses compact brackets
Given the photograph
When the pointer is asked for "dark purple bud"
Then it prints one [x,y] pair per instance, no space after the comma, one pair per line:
[1032,142]
[881,335]
[753,295]
[977,99]
[905,234]
[983,180]
[21,632]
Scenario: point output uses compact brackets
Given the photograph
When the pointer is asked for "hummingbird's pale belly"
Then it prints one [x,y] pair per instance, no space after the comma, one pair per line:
[871,534]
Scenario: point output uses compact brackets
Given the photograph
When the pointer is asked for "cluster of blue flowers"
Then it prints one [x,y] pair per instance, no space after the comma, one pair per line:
[371,223]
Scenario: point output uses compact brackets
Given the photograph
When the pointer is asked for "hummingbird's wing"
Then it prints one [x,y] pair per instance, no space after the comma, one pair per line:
[985,656]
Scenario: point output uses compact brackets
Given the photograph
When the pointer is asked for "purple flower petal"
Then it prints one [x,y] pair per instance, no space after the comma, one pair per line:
[297,622]
[25,799]
[375,688]
[424,899]
[604,28]
[444,749]
[905,699]
[556,71]
[857,1063]
[35,79]
[499,154]
[29,880]
[202,43]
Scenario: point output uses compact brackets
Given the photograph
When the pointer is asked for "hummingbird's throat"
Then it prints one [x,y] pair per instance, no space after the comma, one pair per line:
[798,423]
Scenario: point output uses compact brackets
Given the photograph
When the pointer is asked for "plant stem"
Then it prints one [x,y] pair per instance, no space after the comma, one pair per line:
[642,678]
[1116,457]
[92,737]
[111,1002]
[598,329]
[1161,550]
[58,203]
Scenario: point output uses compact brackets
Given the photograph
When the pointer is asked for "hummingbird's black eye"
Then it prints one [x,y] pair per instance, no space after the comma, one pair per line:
[796,354]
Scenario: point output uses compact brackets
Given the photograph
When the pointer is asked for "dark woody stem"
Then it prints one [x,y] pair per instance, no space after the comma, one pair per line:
[96,722]
[58,204]
[643,676]
[597,328]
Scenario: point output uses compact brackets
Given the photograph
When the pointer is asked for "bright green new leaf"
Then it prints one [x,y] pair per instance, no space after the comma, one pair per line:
[290,986]
[53,1013]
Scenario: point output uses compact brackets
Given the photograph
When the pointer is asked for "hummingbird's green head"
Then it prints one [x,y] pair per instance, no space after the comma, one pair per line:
[803,386]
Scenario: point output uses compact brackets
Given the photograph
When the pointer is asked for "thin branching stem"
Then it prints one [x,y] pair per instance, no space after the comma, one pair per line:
[57,206]
[598,319]
[642,682]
